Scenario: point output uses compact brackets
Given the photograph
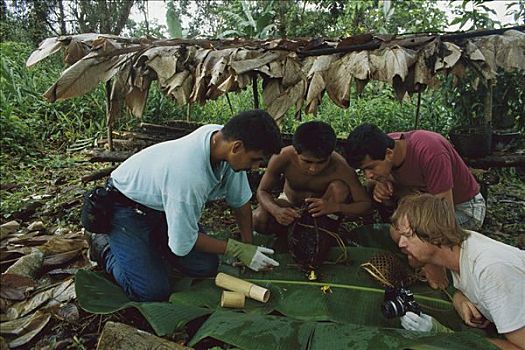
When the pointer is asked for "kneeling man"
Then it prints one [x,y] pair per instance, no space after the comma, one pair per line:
[489,275]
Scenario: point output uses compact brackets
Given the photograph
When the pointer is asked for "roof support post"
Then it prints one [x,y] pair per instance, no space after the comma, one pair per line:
[487,104]
[255,92]
[109,119]
[416,124]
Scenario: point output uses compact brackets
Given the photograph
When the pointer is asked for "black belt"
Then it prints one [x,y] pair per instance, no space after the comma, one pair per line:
[120,198]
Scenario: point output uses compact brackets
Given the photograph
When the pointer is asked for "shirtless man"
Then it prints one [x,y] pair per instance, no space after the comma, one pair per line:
[314,174]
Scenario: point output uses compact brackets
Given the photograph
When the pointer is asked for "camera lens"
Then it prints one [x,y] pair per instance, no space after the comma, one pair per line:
[393,308]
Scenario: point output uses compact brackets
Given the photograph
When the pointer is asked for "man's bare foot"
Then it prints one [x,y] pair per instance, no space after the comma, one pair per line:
[436,276]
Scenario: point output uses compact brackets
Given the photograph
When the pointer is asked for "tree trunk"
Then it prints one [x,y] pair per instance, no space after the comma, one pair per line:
[103,16]
[123,9]
[62,18]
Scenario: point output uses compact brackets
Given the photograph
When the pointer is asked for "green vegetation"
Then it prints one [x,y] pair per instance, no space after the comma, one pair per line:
[35,134]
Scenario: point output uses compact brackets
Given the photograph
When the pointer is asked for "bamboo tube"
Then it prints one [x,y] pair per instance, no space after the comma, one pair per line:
[237,285]
[232,299]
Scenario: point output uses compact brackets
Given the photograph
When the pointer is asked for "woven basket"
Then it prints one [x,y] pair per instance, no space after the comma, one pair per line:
[389,271]
[310,239]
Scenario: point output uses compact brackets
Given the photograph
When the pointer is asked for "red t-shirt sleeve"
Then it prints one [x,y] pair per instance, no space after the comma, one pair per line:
[437,173]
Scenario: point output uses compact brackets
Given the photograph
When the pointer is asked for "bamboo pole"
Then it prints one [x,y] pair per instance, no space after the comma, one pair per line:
[249,289]
[233,300]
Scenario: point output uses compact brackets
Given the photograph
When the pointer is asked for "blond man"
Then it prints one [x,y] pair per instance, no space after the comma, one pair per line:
[489,275]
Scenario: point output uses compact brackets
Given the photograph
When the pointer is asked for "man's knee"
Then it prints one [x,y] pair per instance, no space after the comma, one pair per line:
[260,219]
[150,289]
[337,191]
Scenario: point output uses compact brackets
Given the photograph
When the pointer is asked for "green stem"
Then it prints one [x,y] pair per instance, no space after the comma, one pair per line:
[345,286]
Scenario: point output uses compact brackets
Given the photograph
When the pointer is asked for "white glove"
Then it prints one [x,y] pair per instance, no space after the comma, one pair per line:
[250,255]
[260,261]
[422,323]
[413,322]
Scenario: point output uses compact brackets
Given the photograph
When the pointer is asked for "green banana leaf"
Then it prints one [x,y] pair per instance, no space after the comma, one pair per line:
[96,294]
[354,296]
[299,314]
[256,332]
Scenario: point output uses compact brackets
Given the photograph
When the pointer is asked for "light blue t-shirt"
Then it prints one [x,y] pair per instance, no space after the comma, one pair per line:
[177,177]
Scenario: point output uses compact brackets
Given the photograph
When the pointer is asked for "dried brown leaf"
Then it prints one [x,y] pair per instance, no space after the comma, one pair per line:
[75,51]
[87,73]
[292,72]
[28,265]
[386,63]
[46,48]
[452,53]
[56,294]
[246,65]
[15,287]
[314,94]
[27,327]
[288,98]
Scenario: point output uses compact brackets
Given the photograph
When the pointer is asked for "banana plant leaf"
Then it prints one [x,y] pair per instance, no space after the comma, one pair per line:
[299,315]
[96,294]
[259,332]
[353,296]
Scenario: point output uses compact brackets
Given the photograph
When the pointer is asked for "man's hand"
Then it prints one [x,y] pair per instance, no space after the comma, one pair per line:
[383,191]
[468,311]
[250,255]
[285,216]
[422,323]
[413,322]
[320,206]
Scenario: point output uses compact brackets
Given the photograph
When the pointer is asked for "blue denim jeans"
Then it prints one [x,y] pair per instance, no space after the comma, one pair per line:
[471,213]
[139,257]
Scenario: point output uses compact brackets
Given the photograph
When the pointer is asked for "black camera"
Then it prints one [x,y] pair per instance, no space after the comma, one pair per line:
[399,300]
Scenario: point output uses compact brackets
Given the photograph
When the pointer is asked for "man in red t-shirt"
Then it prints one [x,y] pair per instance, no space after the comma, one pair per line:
[416,161]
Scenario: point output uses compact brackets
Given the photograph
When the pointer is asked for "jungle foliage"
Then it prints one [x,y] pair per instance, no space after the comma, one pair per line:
[29,122]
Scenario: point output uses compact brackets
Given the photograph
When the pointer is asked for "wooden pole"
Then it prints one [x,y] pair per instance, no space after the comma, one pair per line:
[188,112]
[229,102]
[416,124]
[109,121]
[255,92]
[488,104]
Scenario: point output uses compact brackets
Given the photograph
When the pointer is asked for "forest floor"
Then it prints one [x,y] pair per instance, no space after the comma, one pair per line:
[43,194]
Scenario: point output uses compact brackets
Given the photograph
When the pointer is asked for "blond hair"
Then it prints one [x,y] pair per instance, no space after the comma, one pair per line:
[431,219]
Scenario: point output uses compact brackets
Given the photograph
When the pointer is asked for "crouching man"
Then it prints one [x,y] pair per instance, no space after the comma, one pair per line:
[314,175]
[159,194]
[489,275]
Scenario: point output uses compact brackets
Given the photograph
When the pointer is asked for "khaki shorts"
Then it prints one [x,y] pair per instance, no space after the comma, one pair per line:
[471,214]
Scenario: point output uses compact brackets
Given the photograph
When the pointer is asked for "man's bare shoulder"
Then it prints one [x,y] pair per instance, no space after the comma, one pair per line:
[340,162]
[282,159]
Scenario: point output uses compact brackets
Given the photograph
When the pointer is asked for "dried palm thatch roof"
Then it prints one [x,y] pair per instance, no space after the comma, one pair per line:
[294,73]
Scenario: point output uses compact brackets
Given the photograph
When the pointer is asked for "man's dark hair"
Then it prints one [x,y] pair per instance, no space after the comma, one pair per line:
[366,139]
[315,137]
[256,129]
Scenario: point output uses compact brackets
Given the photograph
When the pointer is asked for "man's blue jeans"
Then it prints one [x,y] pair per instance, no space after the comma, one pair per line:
[139,257]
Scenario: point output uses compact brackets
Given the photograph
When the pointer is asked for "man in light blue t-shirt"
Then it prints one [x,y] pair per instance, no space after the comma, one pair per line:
[159,195]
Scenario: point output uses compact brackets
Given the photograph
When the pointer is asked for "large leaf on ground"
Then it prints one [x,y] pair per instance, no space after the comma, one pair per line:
[256,331]
[302,299]
[96,294]
[273,332]
[301,311]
